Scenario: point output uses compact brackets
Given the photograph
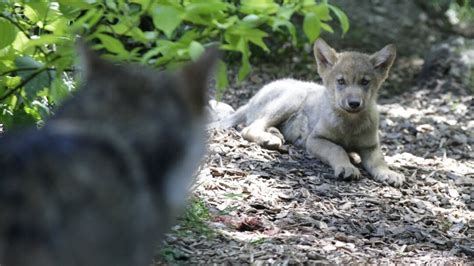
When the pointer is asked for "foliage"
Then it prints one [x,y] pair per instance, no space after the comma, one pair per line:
[464,9]
[461,10]
[196,217]
[193,222]
[37,39]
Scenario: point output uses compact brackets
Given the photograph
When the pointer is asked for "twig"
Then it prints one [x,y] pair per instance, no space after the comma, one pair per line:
[32,68]
[18,69]
[16,25]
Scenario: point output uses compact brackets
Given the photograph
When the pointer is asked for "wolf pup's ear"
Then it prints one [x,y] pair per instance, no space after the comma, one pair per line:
[196,76]
[383,59]
[325,55]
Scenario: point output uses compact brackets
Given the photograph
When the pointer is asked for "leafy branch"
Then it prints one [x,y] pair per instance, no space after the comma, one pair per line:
[28,79]
[33,68]
[14,23]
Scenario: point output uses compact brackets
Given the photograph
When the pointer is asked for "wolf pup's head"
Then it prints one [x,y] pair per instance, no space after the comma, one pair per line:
[352,78]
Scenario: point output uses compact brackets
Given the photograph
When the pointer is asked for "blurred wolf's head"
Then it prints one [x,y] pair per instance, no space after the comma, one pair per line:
[102,181]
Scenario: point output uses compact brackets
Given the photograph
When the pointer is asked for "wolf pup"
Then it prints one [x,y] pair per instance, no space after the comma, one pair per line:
[329,120]
[101,182]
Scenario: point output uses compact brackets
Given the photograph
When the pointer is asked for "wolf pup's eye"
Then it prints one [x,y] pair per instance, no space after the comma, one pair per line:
[341,81]
[364,82]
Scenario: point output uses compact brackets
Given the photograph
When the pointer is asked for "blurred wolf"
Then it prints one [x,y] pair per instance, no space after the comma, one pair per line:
[330,120]
[102,181]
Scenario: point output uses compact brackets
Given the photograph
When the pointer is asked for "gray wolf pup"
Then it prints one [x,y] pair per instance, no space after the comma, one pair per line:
[329,120]
[101,182]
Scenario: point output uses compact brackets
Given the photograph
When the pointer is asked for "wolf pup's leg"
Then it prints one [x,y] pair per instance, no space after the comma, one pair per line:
[334,155]
[267,137]
[373,162]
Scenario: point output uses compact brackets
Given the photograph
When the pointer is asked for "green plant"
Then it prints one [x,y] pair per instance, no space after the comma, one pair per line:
[196,217]
[464,9]
[38,36]
[171,255]
[193,223]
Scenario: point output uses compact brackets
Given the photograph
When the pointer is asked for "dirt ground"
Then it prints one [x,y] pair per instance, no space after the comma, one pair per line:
[265,207]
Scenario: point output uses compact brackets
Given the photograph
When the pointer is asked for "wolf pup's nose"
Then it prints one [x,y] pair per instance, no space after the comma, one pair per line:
[354,104]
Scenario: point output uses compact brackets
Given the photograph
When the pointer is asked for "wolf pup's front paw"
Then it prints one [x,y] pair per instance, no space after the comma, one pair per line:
[347,171]
[390,177]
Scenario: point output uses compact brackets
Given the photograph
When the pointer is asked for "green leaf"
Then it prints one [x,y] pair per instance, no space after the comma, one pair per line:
[129,30]
[111,44]
[277,23]
[39,82]
[258,40]
[7,32]
[311,26]
[36,11]
[308,3]
[341,16]
[239,35]
[326,27]
[206,12]
[243,47]
[143,3]
[81,4]
[6,117]
[286,12]
[152,53]
[244,69]
[111,4]
[11,103]
[228,22]
[166,18]
[67,55]
[75,4]
[88,20]
[37,110]
[42,40]
[22,119]
[58,91]
[12,82]
[195,50]
[222,80]
[71,11]
[20,42]
[253,20]
[259,6]
[58,26]
[245,30]
[206,7]
[322,11]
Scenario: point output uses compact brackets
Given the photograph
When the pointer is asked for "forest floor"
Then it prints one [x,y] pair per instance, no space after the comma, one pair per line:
[256,206]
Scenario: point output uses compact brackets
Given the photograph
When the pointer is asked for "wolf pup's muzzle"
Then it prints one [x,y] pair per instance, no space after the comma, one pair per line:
[352,105]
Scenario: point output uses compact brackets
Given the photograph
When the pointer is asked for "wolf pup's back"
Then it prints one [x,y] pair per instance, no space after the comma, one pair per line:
[103,179]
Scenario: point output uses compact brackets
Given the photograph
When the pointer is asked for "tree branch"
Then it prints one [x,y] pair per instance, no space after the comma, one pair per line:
[16,25]
[28,79]
[32,68]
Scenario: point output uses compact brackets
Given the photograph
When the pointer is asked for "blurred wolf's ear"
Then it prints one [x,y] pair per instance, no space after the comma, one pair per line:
[196,76]
[90,62]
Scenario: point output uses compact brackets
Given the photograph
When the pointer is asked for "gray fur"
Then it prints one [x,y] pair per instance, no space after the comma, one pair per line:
[103,180]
